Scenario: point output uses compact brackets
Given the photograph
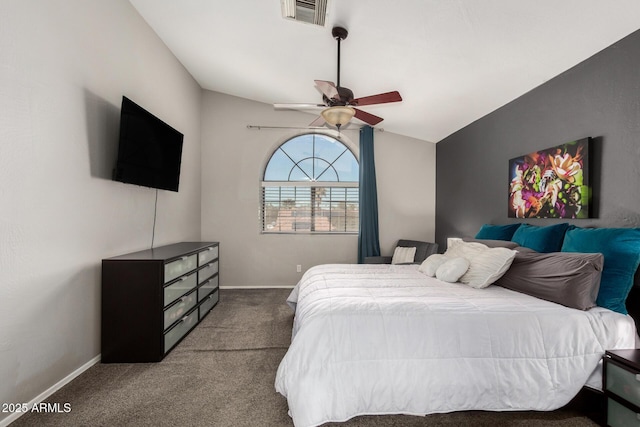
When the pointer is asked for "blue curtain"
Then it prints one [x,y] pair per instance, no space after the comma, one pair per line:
[368,242]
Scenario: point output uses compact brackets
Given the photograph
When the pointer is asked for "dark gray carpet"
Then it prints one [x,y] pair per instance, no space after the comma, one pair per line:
[222,374]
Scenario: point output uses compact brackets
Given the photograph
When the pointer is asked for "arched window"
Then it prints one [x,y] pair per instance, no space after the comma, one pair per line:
[310,185]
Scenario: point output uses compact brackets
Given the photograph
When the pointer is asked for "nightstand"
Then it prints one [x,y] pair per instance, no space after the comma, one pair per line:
[621,385]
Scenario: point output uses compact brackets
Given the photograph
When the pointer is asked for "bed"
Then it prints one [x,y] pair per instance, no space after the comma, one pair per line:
[388,339]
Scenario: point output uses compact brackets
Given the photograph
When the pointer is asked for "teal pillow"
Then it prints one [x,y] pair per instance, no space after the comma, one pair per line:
[541,239]
[621,250]
[497,232]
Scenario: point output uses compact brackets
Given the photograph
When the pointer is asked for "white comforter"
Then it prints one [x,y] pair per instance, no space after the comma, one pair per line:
[382,339]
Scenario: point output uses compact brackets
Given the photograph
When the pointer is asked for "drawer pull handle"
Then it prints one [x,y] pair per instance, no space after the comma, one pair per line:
[184,319]
[183,299]
[210,249]
[184,258]
[184,279]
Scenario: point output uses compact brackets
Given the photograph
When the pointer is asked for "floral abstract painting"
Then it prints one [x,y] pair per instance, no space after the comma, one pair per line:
[551,183]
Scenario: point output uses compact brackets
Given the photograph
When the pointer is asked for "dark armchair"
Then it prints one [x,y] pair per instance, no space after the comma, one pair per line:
[423,250]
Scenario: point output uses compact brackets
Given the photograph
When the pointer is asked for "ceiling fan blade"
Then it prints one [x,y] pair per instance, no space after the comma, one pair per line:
[328,89]
[318,122]
[368,118]
[298,106]
[381,98]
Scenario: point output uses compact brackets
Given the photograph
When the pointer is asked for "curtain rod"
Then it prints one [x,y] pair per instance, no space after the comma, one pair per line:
[258,127]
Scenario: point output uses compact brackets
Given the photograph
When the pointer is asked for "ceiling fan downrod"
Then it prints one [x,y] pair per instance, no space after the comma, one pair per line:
[339,34]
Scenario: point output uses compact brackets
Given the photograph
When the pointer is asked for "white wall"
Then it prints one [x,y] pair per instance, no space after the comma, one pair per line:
[406,181]
[64,66]
[233,158]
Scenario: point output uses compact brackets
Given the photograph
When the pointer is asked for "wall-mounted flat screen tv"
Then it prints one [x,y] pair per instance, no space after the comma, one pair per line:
[149,151]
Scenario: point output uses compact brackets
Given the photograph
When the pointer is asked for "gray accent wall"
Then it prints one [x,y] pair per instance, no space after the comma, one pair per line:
[599,98]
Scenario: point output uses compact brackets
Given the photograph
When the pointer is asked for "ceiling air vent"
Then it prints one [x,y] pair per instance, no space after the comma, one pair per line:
[310,11]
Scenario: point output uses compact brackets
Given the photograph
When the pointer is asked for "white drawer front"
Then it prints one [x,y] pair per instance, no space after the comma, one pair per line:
[180,330]
[208,304]
[179,288]
[207,255]
[178,310]
[179,267]
[207,271]
[619,415]
[207,287]
[623,383]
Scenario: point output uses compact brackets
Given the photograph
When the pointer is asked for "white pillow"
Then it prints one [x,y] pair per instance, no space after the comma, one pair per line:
[455,247]
[486,265]
[430,265]
[452,269]
[403,255]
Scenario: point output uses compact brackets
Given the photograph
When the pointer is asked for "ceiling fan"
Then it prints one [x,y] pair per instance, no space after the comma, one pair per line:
[338,101]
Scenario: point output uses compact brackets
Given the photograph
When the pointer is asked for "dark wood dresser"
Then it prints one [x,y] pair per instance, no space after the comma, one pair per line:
[152,299]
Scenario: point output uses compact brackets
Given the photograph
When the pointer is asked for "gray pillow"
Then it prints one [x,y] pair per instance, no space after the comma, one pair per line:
[499,244]
[493,243]
[570,279]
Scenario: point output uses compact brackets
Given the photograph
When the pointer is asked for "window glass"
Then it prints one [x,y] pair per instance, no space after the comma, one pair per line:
[310,185]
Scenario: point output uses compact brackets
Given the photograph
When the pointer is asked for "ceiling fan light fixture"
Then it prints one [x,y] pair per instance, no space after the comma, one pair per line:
[338,115]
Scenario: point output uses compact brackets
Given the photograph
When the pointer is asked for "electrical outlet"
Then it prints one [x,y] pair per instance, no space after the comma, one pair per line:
[299,268]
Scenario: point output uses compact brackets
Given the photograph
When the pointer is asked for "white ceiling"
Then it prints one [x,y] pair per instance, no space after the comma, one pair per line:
[453,61]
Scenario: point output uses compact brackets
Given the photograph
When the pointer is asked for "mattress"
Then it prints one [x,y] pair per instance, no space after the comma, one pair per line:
[387,339]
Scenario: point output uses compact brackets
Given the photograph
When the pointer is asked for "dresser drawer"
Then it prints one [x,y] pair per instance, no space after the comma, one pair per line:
[207,255]
[179,288]
[207,287]
[179,309]
[179,330]
[619,415]
[208,304]
[623,383]
[179,267]
[207,271]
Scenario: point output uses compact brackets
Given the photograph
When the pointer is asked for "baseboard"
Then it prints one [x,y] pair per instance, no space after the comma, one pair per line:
[48,392]
[259,287]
